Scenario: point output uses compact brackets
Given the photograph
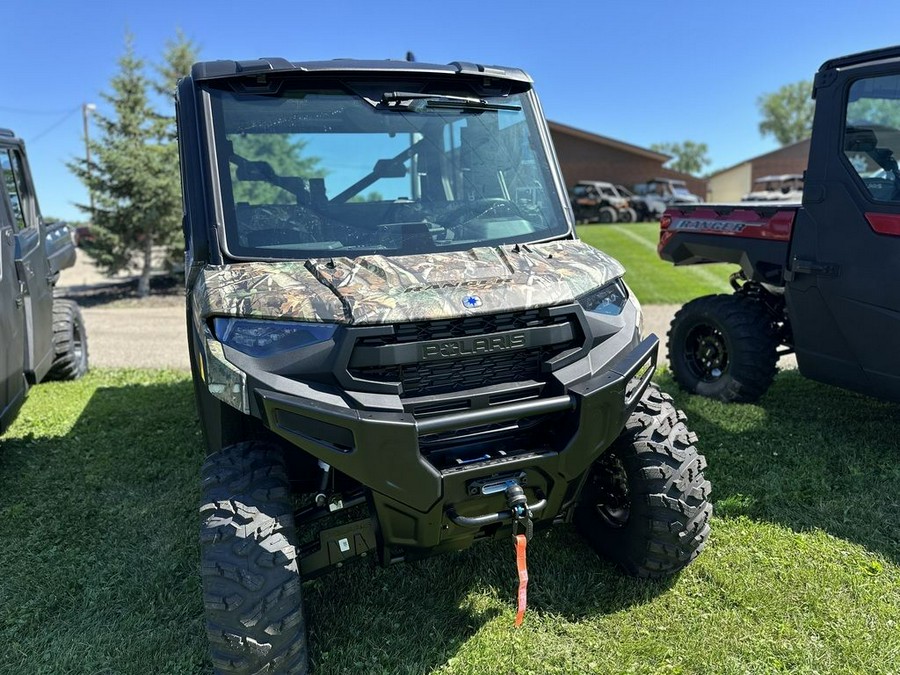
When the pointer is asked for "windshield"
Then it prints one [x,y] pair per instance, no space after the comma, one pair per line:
[348,168]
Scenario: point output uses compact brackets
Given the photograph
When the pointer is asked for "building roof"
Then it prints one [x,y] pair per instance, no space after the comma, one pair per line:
[609,142]
[758,157]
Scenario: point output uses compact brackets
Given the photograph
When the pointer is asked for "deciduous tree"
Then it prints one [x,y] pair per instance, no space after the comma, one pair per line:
[687,157]
[788,112]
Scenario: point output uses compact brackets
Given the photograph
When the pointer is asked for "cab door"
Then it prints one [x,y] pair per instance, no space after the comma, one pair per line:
[32,266]
[844,294]
[12,319]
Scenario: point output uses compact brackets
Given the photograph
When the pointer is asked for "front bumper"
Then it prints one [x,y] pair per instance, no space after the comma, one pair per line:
[420,506]
[425,501]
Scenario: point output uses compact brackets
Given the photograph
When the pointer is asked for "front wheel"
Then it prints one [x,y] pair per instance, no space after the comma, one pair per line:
[628,216]
[249,566]
[70,351]
[608,214]
[645,505]
[724,347]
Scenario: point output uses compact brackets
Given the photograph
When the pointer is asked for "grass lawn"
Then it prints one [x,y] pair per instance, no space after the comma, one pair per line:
[653,280]
[98,562]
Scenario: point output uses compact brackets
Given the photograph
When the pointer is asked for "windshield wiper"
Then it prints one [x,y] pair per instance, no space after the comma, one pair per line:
[417,101]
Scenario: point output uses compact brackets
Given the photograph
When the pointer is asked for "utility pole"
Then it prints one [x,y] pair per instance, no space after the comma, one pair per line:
[86,110]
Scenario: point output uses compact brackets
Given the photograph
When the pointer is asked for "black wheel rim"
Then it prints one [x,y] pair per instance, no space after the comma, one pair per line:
[611,499]
[706,352]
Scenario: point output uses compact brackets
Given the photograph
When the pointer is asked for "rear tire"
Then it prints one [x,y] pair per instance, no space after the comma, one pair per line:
[249,566]
[70,350]
[724,347]
[608,214]
[628,216]
[645,505]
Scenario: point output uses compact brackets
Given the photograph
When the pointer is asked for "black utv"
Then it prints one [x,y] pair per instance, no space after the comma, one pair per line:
[600,202]
[816,278]
[41,338]
[399,346]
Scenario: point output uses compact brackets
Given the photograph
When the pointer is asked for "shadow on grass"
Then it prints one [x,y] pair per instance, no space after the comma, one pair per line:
[103,572]
[414,617]
[807,456]
[98,521]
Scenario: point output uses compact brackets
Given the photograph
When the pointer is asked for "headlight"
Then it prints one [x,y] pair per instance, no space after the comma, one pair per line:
[265,338]
[609,299]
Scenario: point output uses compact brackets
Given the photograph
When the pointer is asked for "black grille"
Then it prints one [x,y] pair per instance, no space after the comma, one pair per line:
[427,378]
[422,331]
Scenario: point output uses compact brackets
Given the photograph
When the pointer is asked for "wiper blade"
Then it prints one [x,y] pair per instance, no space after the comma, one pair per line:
[417,101]
[390,96]
[474,105]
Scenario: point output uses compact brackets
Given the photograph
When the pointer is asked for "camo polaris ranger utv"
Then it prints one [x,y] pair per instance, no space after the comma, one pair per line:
[392,322]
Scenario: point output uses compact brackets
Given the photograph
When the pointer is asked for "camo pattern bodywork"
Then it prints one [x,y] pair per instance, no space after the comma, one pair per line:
[265,290]
[374,289]
[225,381]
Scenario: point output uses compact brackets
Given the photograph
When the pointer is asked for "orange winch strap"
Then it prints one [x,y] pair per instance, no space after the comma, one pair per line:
[521,543]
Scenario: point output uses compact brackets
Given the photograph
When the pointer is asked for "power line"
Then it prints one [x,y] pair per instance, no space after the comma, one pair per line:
[53,126]
[26,111]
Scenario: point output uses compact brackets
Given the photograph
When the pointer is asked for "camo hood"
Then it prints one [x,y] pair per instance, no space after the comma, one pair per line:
[376,289]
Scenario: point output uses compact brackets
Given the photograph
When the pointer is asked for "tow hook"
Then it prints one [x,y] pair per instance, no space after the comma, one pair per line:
[521,512]
[518,509]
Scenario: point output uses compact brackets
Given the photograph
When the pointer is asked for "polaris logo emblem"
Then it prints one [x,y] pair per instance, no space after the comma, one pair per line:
[489,344]
[471,302]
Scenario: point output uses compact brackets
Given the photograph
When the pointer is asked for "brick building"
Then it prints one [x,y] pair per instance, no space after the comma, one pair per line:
[586,156]
[729,185]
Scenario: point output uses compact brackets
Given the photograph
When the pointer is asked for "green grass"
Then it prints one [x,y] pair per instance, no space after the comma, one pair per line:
[98,562]
[653,280]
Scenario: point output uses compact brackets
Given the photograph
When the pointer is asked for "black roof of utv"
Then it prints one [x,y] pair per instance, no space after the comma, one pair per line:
[862,57]
[211,70]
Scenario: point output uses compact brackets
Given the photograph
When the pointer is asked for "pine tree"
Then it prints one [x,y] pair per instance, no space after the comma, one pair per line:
[178,57]
[284,153]
[133,174]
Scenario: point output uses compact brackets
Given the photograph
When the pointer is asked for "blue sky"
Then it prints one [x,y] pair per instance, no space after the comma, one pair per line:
[640,72]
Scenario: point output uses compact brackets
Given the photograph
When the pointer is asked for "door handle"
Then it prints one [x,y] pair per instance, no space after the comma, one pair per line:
[801,266]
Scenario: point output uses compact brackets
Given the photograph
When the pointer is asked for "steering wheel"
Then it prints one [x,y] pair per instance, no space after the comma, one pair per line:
[493,207]
[274,236]
[882,188]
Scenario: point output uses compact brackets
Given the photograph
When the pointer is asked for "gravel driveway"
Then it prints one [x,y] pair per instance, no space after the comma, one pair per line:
[140,337]
[152,334]
[126,333]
